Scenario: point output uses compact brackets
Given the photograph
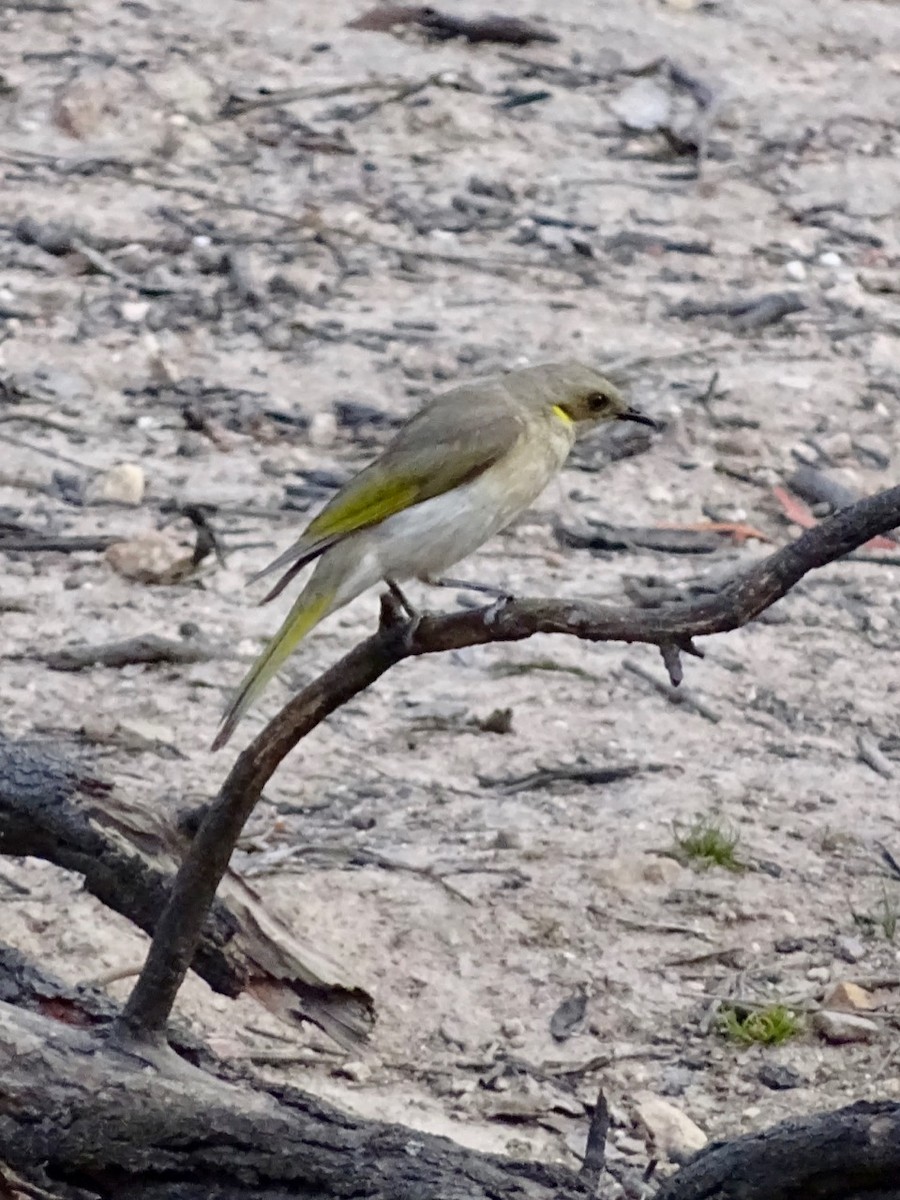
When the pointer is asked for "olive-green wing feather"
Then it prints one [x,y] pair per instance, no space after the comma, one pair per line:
[450,441]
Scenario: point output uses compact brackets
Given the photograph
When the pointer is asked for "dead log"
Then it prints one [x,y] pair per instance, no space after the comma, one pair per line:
[83,1118]
[56,808]
[851,1154]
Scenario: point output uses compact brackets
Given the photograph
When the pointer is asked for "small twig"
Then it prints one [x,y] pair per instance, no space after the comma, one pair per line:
[493,266]
[889,860]
[710,393]
[353,856]
[672,662]
[403,92]
[237,106]
[41,6]
[45,543]
[674,694]
[105,266]
[871,755]
[112,976]
[650,926]
[280,1058]
[216,200]
[42,422]
[746,314]
[145,649]
[48,453]
[563,76]
[545,776]
[594,1162]
[18,889]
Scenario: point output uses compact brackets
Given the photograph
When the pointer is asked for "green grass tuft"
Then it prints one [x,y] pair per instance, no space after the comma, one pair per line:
[888,915]
[764,1027]
[707,842]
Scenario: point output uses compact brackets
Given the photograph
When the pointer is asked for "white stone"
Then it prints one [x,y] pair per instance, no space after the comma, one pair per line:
[322,429]
[674,1134]
[134,311]
[123,484]
[795,269]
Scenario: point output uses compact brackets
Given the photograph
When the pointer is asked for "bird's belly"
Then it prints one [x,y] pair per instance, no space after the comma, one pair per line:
[427,538]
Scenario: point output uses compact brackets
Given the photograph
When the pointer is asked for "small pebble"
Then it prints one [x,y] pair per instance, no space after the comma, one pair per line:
[850,949]
[675,1136]
[837,445]
[778,1077]
[123,484]
[839,1028]
[322,429]
[848,997]
[819,974]
[356,1072]
[134,311]
[830,259]
[631,1146]
[795,269]
[805,453]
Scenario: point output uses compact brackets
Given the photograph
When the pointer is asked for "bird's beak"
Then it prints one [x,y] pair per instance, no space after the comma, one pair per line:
[634,414]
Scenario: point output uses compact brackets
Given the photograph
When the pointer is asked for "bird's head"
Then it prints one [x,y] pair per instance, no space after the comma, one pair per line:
[586,397]
[573,392]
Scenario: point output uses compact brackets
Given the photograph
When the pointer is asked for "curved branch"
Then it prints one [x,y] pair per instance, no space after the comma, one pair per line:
[672,628]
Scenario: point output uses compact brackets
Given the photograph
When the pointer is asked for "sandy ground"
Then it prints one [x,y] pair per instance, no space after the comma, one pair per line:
[423,239]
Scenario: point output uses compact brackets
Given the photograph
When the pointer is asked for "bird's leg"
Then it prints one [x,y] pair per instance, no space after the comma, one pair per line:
[413,616]
[410,609]
[487,589]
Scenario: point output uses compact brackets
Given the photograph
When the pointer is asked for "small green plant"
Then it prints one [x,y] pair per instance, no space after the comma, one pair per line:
[707,842]
[763,1027]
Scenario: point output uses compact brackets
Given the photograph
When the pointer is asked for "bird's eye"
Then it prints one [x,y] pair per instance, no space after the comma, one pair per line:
[597,402]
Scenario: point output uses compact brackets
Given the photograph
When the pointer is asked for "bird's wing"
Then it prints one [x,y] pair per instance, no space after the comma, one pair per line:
[449,442]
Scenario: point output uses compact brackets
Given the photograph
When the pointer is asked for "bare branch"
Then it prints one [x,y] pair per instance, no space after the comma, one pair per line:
[674,626]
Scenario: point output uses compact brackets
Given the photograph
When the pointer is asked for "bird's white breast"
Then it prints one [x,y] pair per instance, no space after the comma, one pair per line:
[428,538]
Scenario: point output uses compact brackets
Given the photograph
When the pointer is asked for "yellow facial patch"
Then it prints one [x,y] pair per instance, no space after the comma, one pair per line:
[562,414]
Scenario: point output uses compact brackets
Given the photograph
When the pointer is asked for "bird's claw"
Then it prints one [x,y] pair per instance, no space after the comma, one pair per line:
[493,611]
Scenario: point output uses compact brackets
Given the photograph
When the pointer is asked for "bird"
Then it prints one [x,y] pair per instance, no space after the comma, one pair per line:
[455,474]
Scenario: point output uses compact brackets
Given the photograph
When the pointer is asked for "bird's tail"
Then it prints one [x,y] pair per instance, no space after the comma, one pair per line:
[308,611]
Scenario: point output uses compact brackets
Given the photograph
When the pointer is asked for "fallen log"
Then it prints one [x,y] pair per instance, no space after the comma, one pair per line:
[57,809]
